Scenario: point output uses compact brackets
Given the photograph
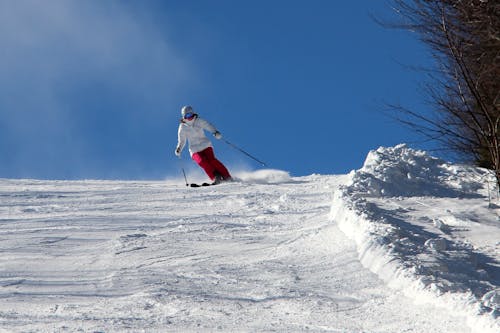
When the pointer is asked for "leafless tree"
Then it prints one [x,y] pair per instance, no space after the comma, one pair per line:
[464,39]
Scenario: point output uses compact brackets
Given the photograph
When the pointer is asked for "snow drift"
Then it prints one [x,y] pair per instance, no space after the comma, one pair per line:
[423,225]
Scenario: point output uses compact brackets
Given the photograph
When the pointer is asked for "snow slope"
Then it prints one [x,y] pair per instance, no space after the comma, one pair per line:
[388,248]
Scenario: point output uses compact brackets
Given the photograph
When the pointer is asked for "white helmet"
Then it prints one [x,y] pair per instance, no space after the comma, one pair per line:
[186,109]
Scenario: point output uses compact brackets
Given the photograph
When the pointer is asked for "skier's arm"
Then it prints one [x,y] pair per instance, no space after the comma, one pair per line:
[181,141]
[209,127]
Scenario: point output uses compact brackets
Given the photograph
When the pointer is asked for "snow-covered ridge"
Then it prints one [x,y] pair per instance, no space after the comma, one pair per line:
[424,226]
[401,171]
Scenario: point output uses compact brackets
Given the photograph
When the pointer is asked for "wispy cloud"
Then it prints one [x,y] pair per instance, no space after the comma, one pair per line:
[59,57]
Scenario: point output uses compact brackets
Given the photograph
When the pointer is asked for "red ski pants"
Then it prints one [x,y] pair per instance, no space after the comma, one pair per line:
[207,161]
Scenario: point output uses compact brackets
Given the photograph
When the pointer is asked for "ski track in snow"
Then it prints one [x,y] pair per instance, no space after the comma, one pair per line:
[130,256]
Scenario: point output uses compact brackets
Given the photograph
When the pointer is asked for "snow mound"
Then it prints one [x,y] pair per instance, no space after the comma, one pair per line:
[400,171]
[492,300]
[265,176]
[398,208]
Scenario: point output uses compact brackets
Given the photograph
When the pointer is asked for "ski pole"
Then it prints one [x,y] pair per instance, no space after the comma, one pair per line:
[183,172]
[185,178]
[244,152]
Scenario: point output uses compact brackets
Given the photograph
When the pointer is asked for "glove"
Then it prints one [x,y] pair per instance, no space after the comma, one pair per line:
[178,152]
[217,135]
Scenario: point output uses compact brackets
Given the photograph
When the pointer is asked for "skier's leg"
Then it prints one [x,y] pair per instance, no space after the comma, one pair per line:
[221,168]
[216,164]
[201,159]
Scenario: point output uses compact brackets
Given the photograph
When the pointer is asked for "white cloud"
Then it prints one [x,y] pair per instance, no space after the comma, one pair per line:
[49,49]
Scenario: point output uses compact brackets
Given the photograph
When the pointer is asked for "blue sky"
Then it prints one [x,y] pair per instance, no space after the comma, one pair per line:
[93,89]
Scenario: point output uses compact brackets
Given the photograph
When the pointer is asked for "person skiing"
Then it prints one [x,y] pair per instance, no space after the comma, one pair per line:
[191,128]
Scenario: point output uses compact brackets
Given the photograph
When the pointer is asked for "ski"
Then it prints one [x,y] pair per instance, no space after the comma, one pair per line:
[210,184]
[201,185]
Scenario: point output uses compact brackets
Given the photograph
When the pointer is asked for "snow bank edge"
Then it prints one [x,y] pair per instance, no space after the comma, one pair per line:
[349,214]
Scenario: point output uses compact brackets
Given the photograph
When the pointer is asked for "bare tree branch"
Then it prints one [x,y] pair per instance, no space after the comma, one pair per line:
[464,40]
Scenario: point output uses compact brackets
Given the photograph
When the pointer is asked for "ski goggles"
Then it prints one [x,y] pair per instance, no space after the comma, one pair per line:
[189,115]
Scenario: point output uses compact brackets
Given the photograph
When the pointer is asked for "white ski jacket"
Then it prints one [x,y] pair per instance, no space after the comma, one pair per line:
[193,132]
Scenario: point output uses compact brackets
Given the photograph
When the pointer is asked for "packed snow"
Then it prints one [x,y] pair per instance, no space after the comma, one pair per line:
[407,243]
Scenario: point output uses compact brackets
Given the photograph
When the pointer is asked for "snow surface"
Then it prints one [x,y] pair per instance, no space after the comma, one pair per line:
[428,228]
[408,243]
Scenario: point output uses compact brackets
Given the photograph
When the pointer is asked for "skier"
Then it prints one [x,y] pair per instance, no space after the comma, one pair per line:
[192,128]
